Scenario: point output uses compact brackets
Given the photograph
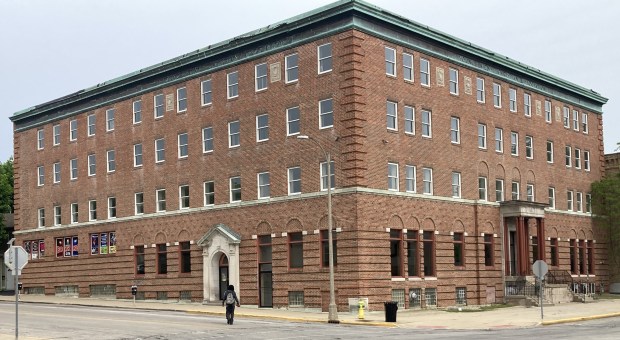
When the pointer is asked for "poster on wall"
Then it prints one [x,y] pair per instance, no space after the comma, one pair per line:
[75,246]
[60,249]
[94,244]
[104,243]
[35,249]
[41,248]
[27,249]
[112,243]
[67,246]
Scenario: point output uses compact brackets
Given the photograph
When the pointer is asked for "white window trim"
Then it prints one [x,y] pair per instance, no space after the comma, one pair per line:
[164,149]
[527,191]
[179,99]
[71,137]
[516,134]
[134,111]
[410,66]
[288,180]
[230,189]
[89,164]
[531,148]
[485,188]
[91,210]
[527,104]
[414,178]
[109,121]
[230,146]
[584,123]
[256,89]
[73,212]
[71,169]
[480,90]
[499,95]
[107,154]
[286,69]
[110,217]
[204,193]
[258,185]
[431,181]
[134,155]
[393,51]
[455,81]
[135,203]
[576,125]
[318,55]
[181,207]
[163,111]
[288,121]
[157,200]
[458,184]
[326,113]
[264,127]
[503,194]
[430,123]
[501,140]
[56,166]
[586,160]
[204,139]
[321,175]
[552,197]
[395,117]
[40,139]
[427,73]
[397,176]
[228,85]
[179,145]
[88,125]
[512,100]
[458,130]
[41,217]
[552,152]
[577,155]
[570,156]
[548,113]
[412,132]
[56,136]
[482,137]
[202,92]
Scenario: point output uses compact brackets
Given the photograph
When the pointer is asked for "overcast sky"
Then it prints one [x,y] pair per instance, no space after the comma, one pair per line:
[51,48]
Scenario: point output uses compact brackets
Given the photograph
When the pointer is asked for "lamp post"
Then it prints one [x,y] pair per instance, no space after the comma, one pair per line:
[333,308]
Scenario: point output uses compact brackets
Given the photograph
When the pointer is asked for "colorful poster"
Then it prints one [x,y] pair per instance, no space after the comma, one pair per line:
[112,243]
[75,246]
[35,249]
[94,244]
[60,249]
[67,246]
[41,248]
[104,244]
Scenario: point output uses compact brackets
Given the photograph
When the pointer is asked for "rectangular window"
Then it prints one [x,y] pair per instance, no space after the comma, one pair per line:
[292,121]
[92,165]
[209,191]
[586,160]
[514,143]
[589,203]
[41,217]
[553,248]
[577,158]
[184,197]
[480,97]
[56,168]
[530,192]
[232,82]
[160,150]
[91,120]
[291,65]
[458,241]
[40,139]
[413,257]
[569,200]
[207,139]
[461,295]
[579,201]
[74,213]
[111,207]
[529,147]
[489,258]
[324,58]
[294,181]
[408,67]
[296,250]
[181,99]
[109,119]
[456,184]
[56,134]
[567,156]
[393,176]
[92,210]
[527,104]
[207,93]
[186,257]
[454,81]
[264,185]
[482,136]
[235,189]
[183,140]
[396,252]
[551,198]
[482,188]
[326,114]
[409,120]
[425,72]
[515,191]
[111,157]
[582,257]
[566,117]
[410,178]
[262,128]
[499,190]
[137,155]
[57,216]
[575,120]
[590,246]
[390,61]
[162,259]
[332,176]
[137,111]
[455,130]
[428,253]
[139,258]
[160,196]
[499,140]
[584,122]
[427,127]
[427,179]
[573,256]
[548,117]
[391,109]
[40,175]
[139,203]
[158,105]
[325,248]
[73,130]
[512,97]
[234,138]
[260,72]
[549,151]
[497,95]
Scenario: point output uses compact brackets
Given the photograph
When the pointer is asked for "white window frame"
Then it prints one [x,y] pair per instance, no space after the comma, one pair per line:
[514,141]
[551,193]
[482,136]
[56,134]
[515,194]
[456,184]
[136,155]
[182,99]
[480,93]
[160,200]
[497,95]
[393,177]
[392,115]
[291,181]
[261,128]
[40,139]
[425,72]
[290,121]
[138,205]
[231,188]
[232,134]
[56,172]
[136,108]
[588,203]
[111,208]
[73,129]
[74,213]
[529,150]
[568,156]
[586,160]
[92,210]
[566,117]
[232,89]
[73,169]
[455,131]
[569,200]
[577,158]
[210,193]
[408,67]
[321,58]
[548,113]
[326,113]
[109,119]
[410,178]
[575,120]
[263,181]
[527,104]
[110,161]
[409,114]
[158,104]
[91,121]
[183,149]
[499,140]
[454,81]
[529,192]
[323,176]
[184,198]
[579,201]
[428,124]
[427,180]
[92,163]
[206,90]
[161,148]
[259,78]
[501,191]
[390,53]
[584,123]
[550,152]
[41,217]
[483,190]
[512,99]
[207,139]
[287,67]
[40,175]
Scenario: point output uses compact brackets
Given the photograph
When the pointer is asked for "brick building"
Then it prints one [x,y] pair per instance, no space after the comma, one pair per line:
[454,168]
[612,163]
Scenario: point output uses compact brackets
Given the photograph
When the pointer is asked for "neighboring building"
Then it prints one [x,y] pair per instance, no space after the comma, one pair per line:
[612,163]
[6,279]
[455,168]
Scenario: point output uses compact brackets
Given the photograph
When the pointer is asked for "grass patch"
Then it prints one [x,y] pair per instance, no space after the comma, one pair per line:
[477,308]
[608,296]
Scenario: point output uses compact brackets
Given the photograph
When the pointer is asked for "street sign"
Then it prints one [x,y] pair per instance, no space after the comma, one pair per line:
[16,254]
[540,268]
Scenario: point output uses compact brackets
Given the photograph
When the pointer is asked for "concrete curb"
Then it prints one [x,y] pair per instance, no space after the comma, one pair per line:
[581,318]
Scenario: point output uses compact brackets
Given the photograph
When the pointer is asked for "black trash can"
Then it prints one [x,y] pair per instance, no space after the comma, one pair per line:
[390,311]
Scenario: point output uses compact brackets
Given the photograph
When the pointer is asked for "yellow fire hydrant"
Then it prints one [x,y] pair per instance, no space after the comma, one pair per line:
[360,310]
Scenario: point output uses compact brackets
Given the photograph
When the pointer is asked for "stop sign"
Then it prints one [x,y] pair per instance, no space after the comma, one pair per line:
[16,254]
[540,268]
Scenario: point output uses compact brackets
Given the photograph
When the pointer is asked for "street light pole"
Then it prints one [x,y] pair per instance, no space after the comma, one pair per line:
[333,308]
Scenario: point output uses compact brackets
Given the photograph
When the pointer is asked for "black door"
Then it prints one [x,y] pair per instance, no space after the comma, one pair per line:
[266,285]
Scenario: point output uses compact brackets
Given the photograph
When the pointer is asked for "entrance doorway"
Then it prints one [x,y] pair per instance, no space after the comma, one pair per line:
[223,279]
[513,253]
[265,277]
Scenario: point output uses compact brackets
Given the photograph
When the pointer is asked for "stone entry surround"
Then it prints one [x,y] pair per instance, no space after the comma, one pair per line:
[220,239]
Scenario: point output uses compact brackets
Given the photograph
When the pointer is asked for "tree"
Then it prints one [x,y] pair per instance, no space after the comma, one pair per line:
[6,195]
[606,209]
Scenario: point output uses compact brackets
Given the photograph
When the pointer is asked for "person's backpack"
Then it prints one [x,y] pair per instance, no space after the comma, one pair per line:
[230,298]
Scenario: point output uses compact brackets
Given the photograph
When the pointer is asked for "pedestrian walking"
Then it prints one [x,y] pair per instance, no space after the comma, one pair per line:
[230,299]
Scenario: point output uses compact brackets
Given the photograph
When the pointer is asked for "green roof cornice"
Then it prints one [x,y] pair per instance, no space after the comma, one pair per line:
[304,28]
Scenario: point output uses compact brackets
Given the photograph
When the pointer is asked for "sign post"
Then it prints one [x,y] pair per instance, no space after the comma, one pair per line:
[540,269]
[16,258]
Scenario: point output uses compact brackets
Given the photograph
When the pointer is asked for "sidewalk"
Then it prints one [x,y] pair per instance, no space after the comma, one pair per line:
[509,317]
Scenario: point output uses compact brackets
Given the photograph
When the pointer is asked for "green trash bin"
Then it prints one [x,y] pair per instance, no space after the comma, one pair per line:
[390,311]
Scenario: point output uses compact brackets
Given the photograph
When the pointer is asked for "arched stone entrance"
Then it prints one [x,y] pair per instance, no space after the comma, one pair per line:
[220,252]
